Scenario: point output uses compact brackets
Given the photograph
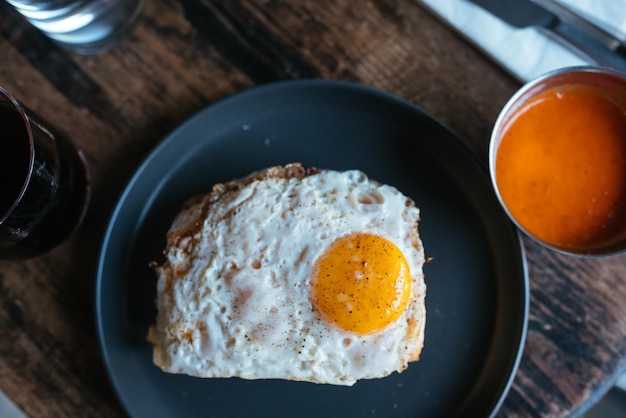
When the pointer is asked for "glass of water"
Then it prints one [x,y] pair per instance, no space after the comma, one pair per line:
[85,26]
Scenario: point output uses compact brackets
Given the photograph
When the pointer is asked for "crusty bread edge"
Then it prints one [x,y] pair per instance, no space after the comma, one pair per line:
[415,355]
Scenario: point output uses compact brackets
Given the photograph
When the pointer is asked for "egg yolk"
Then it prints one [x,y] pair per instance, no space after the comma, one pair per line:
[362,283]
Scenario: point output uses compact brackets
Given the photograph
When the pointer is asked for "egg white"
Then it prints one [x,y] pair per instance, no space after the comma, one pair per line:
[233,296]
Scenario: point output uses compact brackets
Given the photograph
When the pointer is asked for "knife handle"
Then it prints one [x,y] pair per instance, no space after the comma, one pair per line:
[582,23]
[591,47]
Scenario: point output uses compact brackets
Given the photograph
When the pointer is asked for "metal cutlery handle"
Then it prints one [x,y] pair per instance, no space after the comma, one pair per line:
[583,24]
[593,41]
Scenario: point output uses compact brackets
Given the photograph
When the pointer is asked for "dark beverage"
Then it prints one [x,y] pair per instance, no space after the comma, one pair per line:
[14,157]
[44,182]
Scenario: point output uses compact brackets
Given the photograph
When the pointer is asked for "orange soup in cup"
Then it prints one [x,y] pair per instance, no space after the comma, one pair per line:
[558,160]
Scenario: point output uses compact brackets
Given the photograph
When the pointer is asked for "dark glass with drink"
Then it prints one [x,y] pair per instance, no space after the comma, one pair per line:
[44,183]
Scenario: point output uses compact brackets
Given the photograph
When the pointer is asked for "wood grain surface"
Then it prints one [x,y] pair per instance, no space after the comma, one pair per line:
[185,55]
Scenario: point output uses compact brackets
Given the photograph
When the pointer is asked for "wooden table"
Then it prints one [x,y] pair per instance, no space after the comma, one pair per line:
[185,55]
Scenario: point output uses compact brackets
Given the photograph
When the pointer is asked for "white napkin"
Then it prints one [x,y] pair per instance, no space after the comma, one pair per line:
[8,409]
[528,52]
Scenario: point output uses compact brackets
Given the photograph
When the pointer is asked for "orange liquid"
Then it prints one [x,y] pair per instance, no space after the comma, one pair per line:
[561,168]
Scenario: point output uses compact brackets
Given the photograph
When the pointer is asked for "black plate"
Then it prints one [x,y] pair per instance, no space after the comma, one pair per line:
[477,301]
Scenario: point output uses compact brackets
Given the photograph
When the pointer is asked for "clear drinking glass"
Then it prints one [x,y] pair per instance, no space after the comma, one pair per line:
[44,183]
[86,26]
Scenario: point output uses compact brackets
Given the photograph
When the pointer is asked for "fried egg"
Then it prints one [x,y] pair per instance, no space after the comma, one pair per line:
[292,274]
